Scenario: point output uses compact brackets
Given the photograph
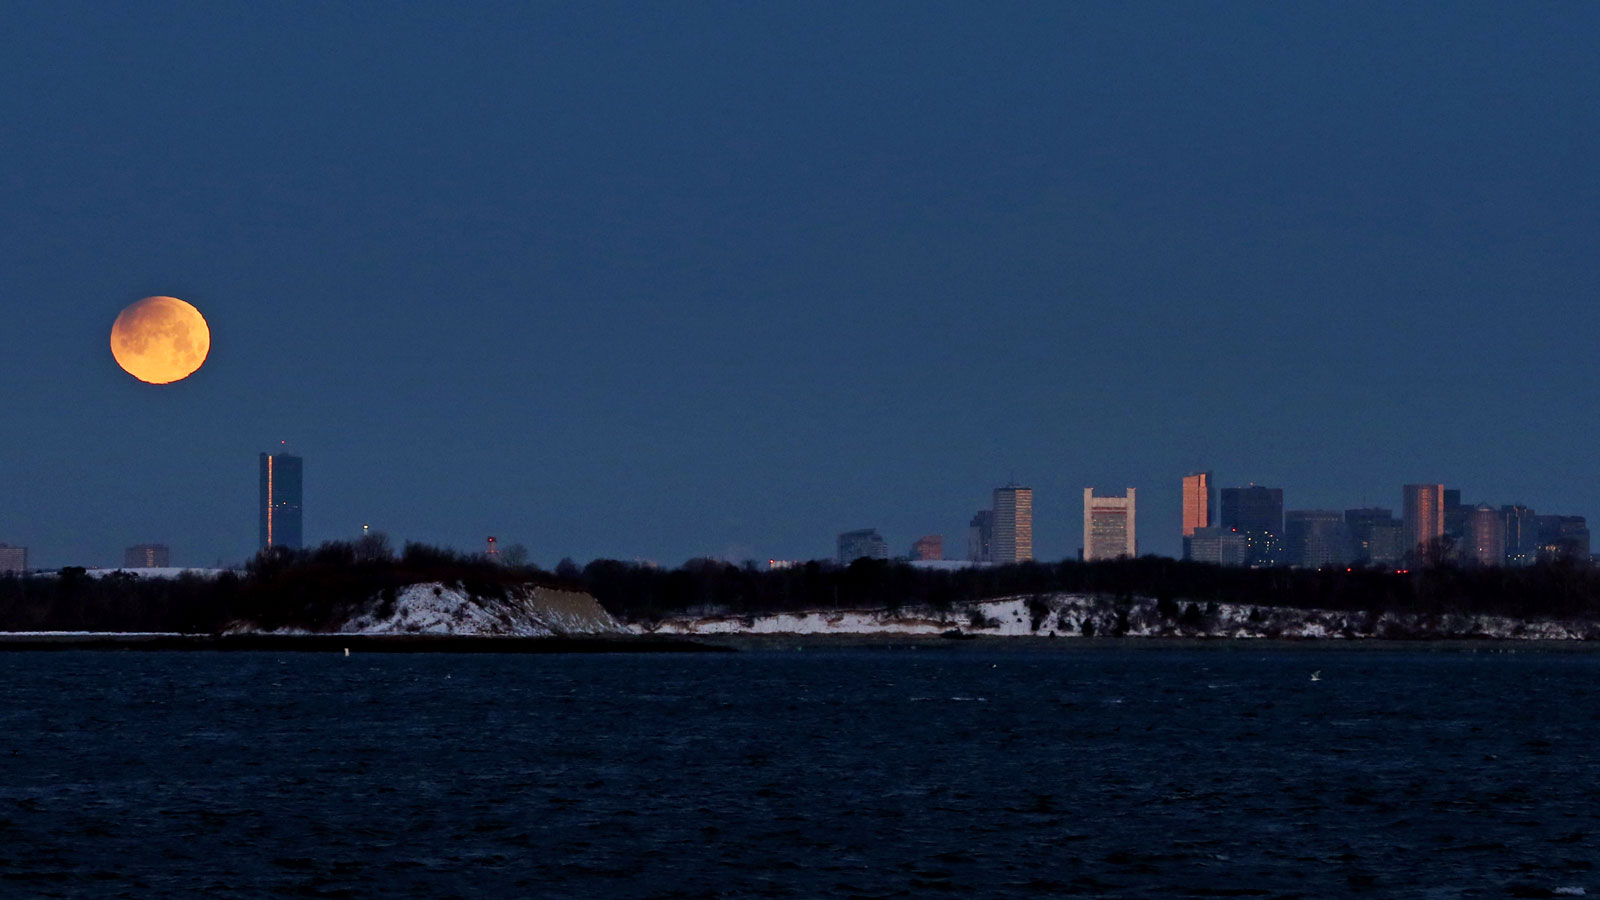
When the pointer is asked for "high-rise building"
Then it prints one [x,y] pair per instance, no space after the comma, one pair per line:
[1013,524]
[13,560]
[864,543]
[980,536]
[1423,511]
[1198,509]
[147,556]
[1483,539]
[1455,518]
[1376,536]
[1313,538]
[1521,531]
[280,501]
[929,546]
[1563,537]
[1109,526]
[1257,513]
[1219,546]
[1386,544]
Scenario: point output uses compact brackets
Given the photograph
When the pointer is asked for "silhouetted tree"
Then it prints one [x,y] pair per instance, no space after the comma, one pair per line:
[374,548]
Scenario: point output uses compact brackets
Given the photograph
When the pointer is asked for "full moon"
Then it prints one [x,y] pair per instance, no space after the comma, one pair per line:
[160,340]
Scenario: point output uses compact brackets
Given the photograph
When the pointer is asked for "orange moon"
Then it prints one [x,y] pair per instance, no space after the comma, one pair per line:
[160,340]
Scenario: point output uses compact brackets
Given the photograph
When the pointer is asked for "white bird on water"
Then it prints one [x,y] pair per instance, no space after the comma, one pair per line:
[1317,675]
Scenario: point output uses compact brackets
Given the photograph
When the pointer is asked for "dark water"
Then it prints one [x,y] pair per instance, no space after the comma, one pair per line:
[952,772]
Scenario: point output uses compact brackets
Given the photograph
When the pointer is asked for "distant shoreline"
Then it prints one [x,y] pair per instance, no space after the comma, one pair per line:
[733,643]
[355,643]
[1005,644]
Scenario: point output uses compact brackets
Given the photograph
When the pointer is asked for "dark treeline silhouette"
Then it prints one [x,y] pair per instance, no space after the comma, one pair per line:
[73,601]
[1559,589]
[319,588]
[313,589]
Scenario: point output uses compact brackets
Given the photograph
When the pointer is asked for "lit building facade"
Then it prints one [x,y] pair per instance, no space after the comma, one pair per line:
[1483,539]
[13,560]
[1013,525]
[1423,518]
[863,543]
[147,556]
[1109,526]
[1257,513]
[281,480]
[1198,509]
[929,546]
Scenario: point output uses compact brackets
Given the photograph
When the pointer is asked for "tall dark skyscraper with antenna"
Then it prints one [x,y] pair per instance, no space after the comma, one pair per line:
[280,501]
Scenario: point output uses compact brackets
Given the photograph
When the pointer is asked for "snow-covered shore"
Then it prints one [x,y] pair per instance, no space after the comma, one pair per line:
[1076,615]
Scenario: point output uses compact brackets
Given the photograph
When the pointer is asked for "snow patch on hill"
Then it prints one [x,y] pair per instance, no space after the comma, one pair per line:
[1077,615]
[153,573]
[438,608]
[435,608]
[1007,616]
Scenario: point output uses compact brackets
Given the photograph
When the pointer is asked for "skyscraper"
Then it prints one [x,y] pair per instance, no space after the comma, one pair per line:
[1197,506]
[1483,537]
[1455,518]
[280,501]
[929,546]
[1313,538]
[980,536]
[1375,536]
[1423,516]
[1521,531]
[1109,526]
[13,560]
[1563,537]
[1013,524]
[1257,513]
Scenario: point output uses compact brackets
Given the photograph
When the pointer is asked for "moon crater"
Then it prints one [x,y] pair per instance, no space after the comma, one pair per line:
[160,340]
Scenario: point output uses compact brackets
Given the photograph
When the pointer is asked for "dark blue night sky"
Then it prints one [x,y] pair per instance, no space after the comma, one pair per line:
[727,279]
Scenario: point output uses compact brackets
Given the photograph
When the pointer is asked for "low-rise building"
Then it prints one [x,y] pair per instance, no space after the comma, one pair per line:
[863,543]
[1219,546]
[147,556]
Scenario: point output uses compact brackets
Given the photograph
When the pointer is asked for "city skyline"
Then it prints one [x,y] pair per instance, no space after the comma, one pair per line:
[1255,527]
[402,399]
[722,282]
[1267,531]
